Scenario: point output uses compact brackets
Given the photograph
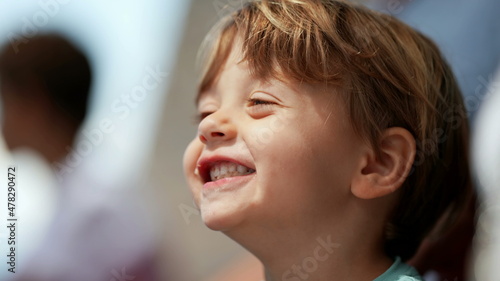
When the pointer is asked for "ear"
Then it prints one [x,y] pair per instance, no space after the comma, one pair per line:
[378,176]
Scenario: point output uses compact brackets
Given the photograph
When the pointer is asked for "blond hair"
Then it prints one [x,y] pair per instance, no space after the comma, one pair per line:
[388,75]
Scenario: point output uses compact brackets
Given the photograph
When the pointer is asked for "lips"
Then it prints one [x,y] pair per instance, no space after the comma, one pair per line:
[217,168]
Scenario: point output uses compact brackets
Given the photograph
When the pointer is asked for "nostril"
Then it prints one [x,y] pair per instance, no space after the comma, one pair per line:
[217,134]
[204,139]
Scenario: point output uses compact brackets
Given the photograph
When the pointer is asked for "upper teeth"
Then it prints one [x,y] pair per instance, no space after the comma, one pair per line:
[228,169]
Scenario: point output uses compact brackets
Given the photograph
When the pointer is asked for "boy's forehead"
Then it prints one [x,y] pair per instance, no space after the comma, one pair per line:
[235,58]
[236,61]
[269,84]
[213,84]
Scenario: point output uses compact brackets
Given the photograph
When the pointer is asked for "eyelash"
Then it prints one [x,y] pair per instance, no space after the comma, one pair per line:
[255,102]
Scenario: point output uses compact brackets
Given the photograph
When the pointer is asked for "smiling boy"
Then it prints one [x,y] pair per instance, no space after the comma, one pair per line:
[320,120]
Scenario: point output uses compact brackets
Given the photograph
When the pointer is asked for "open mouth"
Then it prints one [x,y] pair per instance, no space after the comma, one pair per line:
[223,169]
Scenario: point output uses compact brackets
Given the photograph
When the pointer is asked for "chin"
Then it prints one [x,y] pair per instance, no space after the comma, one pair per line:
[220,217]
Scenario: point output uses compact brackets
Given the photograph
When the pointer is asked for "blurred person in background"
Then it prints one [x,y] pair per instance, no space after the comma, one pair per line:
[486,160]
[44,86]
[90,233]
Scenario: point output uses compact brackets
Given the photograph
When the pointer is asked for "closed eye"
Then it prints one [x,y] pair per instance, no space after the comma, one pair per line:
[259,108]
[200,116]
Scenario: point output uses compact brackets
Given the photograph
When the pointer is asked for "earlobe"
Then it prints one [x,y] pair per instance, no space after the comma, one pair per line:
[380,175]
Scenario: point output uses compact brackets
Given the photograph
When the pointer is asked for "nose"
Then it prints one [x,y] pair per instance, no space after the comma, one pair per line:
[216,127]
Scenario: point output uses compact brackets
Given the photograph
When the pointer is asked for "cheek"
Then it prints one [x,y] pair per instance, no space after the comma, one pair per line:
[191,156]
[304,162]
[271,135]
[281,154]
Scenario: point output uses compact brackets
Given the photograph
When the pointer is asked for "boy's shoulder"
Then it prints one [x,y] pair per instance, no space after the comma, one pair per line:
[400,271]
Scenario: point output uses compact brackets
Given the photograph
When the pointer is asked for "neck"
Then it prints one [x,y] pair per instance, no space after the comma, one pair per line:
[326,259]
[55,147]
[310,252]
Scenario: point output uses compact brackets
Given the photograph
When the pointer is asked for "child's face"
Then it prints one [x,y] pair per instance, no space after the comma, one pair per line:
[269,153]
